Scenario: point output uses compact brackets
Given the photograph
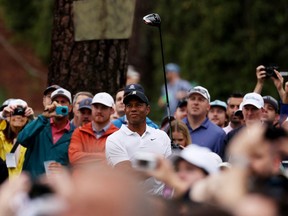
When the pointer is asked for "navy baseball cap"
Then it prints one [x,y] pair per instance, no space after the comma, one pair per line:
[136,94]
[85,104]
[133,87]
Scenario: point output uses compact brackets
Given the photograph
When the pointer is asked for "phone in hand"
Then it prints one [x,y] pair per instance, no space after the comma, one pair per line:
[145,161]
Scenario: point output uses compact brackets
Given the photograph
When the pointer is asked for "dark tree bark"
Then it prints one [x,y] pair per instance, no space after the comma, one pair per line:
[96,65]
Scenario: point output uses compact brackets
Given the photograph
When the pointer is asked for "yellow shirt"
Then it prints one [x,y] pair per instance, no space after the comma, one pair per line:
[5,148]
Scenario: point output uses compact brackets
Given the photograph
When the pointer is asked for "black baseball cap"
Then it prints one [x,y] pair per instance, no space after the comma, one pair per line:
[272,101]
[182,103]
[51,89]
[133,87]
[136,94]
[85,104]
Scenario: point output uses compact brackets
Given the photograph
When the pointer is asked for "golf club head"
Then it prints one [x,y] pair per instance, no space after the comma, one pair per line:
[152,19]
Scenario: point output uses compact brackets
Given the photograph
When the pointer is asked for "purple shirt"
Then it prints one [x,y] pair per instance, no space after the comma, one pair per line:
[207,135]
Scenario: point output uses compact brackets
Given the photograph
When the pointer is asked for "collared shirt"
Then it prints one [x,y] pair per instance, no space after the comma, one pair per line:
[98,134]
[228,128]
[208,135]
[58,133]
[124,144]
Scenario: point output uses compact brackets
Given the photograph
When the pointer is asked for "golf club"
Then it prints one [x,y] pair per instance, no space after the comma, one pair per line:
[155,20]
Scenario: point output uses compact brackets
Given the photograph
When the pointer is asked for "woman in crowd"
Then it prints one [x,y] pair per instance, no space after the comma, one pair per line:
[14,118]
[180,134]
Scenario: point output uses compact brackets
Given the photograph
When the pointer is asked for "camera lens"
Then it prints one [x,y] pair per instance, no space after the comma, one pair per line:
[64,111]
[143,163]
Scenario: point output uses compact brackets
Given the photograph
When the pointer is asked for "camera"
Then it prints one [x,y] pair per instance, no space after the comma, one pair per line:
[270,71]
[145,161]
[19,111]
[61,110]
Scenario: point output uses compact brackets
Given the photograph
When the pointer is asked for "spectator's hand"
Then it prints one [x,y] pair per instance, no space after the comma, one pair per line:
[11,193]
[260,74]
[29,112]
[165,172]
[49,110]
[8,111]
[55,168]
[278,82]
[284,98]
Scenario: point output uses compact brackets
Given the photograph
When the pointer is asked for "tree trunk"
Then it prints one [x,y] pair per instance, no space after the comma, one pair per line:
[95,65]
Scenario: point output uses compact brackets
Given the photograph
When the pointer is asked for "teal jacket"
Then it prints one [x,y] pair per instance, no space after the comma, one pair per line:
[37,138]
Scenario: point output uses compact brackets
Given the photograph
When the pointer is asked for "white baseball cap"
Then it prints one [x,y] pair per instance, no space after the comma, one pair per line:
[103,98]
[200,90]
[61,92]
[18,102]
[199,156]
[254,99]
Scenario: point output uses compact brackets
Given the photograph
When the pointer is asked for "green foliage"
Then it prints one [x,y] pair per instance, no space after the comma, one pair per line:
[219,43]
[31,20]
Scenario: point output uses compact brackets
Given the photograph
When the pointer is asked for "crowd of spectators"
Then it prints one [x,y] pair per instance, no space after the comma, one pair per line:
[95,155]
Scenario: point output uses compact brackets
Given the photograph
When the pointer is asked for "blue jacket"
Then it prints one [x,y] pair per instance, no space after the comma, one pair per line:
[37,138]
[123,120]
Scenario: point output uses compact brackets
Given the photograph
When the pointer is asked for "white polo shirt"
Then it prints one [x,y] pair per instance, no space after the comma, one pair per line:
[124,144]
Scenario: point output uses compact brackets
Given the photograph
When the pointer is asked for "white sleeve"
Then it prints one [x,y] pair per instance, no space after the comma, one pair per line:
[168,143]
[115,152]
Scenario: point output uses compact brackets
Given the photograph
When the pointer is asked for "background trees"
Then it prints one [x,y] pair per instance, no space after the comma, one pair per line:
[218,43]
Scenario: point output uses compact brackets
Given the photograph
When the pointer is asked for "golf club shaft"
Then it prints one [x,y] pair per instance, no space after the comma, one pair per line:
[165,84]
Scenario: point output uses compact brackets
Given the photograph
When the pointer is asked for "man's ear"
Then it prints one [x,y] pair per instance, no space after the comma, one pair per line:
[112,110]
[70,107]
[148,109]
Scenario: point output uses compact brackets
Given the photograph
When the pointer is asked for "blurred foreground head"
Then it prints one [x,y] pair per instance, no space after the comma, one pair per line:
[259,149]
[107,191]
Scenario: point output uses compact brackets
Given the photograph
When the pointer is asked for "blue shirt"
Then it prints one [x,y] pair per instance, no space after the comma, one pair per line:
[173,89]
[208,135]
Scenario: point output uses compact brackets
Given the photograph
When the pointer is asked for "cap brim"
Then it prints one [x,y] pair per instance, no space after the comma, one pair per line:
[85,107]
[196,92]
[249,102]
[130,97]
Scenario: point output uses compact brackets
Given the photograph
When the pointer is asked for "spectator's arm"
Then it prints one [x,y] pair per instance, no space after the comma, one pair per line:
[260,74]
[278,82]
[31,130]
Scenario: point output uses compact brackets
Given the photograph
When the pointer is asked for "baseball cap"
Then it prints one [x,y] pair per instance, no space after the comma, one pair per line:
[219,103]
[254,99]
[18,102]
[85,104]
[182,103]
[51,88]
[61,92]
[200,90]
[6,103]
[199,156]
[136,94]
[172,67]
[103,98]
[272,101]
[133,87]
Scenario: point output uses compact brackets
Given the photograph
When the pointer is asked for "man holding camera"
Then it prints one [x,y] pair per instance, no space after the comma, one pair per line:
[47,138]
[136,137]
